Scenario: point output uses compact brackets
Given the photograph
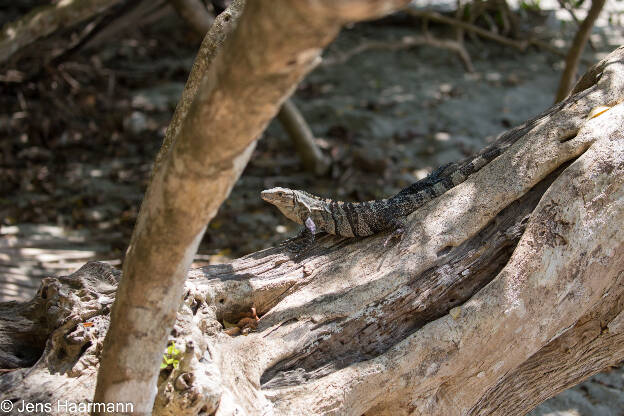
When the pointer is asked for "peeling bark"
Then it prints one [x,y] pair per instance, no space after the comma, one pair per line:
[502,292]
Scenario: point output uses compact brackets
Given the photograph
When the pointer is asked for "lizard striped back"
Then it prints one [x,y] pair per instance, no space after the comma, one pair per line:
[360,219]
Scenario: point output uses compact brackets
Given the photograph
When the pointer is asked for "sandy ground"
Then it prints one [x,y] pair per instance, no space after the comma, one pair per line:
[385,117]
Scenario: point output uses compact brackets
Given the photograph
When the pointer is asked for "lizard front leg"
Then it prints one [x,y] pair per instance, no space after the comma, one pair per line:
[397,226]
[309,231]
[307,234]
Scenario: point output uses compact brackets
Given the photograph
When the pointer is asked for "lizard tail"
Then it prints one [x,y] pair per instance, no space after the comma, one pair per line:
[443,179]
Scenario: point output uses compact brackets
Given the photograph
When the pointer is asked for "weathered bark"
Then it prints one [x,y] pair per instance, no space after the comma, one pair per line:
[198,18]
[502,292]
[576,50]
[206,148]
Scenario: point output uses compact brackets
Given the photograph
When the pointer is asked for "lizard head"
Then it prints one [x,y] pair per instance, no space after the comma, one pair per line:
[285,200]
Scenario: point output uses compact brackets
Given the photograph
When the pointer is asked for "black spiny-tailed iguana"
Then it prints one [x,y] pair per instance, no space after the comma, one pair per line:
[360,219]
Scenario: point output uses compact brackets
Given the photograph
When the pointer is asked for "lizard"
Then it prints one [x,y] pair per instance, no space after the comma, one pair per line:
[361,219]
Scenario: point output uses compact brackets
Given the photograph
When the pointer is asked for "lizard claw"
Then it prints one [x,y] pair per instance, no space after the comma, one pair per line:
[303,240]
[397,233]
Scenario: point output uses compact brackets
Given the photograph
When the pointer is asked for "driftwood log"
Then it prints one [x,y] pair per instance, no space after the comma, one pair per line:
[504,291]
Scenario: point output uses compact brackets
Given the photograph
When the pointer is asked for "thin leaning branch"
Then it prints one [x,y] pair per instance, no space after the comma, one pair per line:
[565,5]
[302,137]
[576,50]
[195,14]
[521,45]
[45,20]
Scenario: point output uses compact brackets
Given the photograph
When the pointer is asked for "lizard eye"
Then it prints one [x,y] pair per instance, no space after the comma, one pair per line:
[280,194]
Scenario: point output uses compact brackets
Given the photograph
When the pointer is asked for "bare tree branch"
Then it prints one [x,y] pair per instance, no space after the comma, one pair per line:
[195,14]
[46,20]
[301,135]
[576,50]
[569,8]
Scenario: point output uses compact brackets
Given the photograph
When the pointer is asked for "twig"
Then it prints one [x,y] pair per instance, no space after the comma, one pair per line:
[455,46]
[135,14]
[405,43]
[112,22]
[431,15]
[503,10]
[520,45]
[459,32]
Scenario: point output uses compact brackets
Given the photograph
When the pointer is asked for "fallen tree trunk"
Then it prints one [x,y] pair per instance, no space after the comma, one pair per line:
[502,292]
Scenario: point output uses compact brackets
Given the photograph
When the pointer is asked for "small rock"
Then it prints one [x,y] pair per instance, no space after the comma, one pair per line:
[184,381]
[35,153]
[136,122]
[370,159]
